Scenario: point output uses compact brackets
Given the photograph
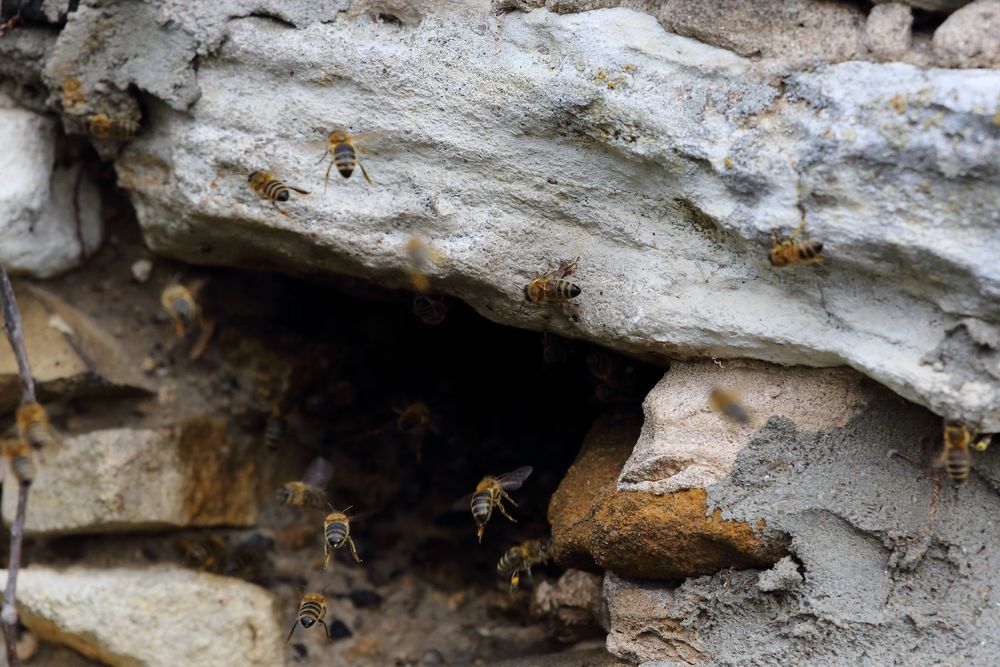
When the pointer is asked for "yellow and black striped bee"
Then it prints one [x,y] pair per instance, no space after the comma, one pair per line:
[34,427]
[491,492]
[522,558]
[730,407]
[180,304]
[120,126]
[553,286]
[268,187]
[20,458]
[311,490]
[343,152]
[206,553]
[794,251]
[312,610]
[432,310]
[337,533]
[955,456]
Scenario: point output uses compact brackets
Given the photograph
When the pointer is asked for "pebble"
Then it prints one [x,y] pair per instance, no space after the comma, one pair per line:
[141,270]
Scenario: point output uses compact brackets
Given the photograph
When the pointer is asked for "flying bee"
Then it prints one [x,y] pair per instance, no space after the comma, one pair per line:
[180,304]
[794,251]
[727,403]
[312,610]
[34,427]
[553,286]
[337,533]
[203,552]
[432,310]
[21,459]
[268,187]
[415,419]
[523,557]
[955,456]
[491,492]
[309,492]
[343,152]
[419,258]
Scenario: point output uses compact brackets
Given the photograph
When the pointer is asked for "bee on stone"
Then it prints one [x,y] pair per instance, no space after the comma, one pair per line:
[337,533]
[431,310]
[116,126]
[793,250]
[955,455]
[553,286]
[490,494]
[727,403]
[182,308]
[311,490]
[343,151]
[205,553]
[312,610]
[268,187]
[20,459]
[34,427]
[521,558]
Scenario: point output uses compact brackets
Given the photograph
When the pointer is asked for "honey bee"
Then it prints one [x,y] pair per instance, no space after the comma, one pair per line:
[955,455]
[268,187]
[793,251]
[432,310]
[248,558]
[343,152]
[116,126]
[491,492]
[20,458]
[180,304]
[34,427]
[726,403]
[310,491]
[982,442]
[553,286]
[415,419]
[312,610]
[523,557]
[419,257]
[337,533]
[203,552]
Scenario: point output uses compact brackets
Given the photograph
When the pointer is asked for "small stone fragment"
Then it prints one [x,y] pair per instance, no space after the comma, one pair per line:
[887,30]
[572,607]
[783,576]
[142,269]
[970,37]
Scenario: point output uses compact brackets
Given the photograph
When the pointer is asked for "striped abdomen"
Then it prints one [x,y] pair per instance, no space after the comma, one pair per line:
[551,290]
[482,506]
[796,252]
[345,159]
[273,189]
[957,462]
[336,533]
[24,468]
[274,431]
[311,611]
[511,561]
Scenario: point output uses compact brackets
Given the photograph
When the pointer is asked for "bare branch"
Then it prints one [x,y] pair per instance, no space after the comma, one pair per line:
[15,334]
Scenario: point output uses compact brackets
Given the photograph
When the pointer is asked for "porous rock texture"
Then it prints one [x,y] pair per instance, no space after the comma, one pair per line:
[516,139]
[971,36]
[140,479]
[151,617]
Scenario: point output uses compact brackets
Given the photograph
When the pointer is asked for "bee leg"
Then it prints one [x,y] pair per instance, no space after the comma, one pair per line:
[292,631]
[326,179]
[323,156]
[328,554]
[278,209]
[504,495]
[327,628]
[364,172]
[354,551]
[515,579]
[504,511]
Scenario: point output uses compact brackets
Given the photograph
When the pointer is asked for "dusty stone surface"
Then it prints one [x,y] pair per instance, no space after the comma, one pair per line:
[596,525]
[888,30]
[71,355]
[971,36]
[39,234]
[942,6]
[783,576]
[893,564]
[151,617]
[686,444]
[572,607]
[135,479]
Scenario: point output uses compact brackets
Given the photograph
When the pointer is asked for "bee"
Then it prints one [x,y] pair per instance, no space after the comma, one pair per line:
[415,419]
[419,257]
[116,126]
[310,491]
[726,403]
[982,442]
[248,558]
[34,427]
[553,286]
[793,251]
[523,557]
[180,304]
[206,553]
[344,154]
[21,459]
[955,455]
[491,492]
[337,533]
[312,610]
[432,310]
[268,187]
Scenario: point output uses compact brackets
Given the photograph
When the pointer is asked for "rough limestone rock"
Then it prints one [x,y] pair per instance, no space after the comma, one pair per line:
[664,163]
[641,534]
[971,36]
[888,30]
[572,607]
[152,617]
[686,444]
[887,558]
[134,479]
[70,354]
[49,214]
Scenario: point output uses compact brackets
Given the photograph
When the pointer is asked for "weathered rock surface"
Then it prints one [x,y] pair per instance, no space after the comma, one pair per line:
[971,36]
[70,354]
[893,560]
[641,534]
[686,444]
[49,214]
[888,30]
[152,617]
[942,6]
[572,608]
[134,479]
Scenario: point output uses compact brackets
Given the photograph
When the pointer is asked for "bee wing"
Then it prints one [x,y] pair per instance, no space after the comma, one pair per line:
[462,504]
[318,473]
[361,516]
[514,479]
[368,138]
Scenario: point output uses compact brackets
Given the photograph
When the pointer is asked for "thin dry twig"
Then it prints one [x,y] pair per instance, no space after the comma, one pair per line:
[15,335]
